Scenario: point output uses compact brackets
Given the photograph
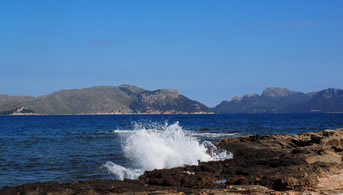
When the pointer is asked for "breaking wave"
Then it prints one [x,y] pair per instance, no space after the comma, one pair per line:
[165,146]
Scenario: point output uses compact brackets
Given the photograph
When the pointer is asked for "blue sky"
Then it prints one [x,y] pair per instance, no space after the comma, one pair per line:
[208,50]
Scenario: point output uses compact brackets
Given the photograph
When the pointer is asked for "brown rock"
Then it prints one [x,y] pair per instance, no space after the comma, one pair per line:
[266,164]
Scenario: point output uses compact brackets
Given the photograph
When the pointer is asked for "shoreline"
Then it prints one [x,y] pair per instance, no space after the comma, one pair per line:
[108,114]
[96,114]
[194,113]
[269,164]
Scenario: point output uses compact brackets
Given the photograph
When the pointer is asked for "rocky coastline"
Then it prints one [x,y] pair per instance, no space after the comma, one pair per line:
[309,163]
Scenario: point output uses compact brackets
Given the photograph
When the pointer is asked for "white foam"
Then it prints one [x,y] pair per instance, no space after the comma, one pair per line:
[134,131]
[167,147]
[211,135]
[121,172]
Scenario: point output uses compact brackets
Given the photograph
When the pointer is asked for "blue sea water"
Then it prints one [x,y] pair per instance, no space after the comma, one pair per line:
[70,148]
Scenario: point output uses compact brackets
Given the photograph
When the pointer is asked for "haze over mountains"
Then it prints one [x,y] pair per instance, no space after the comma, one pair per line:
[282,100]
[126,99]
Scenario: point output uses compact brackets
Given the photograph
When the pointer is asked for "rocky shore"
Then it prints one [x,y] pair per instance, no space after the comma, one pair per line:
[308,163]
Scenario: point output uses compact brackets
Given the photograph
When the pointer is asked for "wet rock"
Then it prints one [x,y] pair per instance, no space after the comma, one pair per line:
[266,164]
[279,162]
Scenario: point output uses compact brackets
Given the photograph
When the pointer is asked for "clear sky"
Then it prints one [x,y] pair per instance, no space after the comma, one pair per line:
[209,50]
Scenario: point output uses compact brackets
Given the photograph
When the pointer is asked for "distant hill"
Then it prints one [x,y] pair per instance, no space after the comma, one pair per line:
[327,100]
[102,99]
[131,99]
[165,100]
[10,103]
[271,100]
[282,100]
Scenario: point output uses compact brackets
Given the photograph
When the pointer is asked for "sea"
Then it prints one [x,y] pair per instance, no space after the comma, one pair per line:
[90,147]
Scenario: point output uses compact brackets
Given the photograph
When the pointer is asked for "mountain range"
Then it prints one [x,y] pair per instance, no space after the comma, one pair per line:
[102,100]
[282,100]
[128,99]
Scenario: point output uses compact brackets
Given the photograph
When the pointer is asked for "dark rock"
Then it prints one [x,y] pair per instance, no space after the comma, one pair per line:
[262,160]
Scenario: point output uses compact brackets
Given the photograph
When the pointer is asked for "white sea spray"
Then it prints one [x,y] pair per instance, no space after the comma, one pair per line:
[165,146]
